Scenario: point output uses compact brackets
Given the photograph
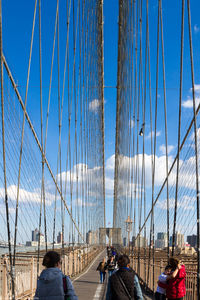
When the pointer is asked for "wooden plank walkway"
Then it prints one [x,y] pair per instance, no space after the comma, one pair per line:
[87,285]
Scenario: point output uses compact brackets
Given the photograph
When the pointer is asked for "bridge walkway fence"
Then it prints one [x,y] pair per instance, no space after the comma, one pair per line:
[74,262]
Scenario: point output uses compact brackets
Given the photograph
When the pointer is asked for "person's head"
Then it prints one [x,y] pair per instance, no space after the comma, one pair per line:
[174,262]
[123,261]
[168,270]
[104,260]
[52,260]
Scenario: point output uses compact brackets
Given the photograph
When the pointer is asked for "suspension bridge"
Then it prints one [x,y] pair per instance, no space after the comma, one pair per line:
[99,140]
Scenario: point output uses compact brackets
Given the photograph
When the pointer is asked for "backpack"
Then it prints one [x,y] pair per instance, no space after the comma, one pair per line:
[65,287]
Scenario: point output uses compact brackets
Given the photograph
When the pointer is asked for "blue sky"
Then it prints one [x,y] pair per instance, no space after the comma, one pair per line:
[17,25]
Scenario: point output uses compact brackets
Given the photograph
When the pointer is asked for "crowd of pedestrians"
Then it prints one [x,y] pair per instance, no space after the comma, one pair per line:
[123,283]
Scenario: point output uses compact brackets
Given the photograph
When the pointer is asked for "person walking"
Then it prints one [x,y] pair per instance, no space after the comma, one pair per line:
[123,284]
[102,270]
[175,287]
[52,284]
[111,265]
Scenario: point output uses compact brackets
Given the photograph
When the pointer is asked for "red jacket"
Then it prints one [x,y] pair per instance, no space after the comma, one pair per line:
[176,286]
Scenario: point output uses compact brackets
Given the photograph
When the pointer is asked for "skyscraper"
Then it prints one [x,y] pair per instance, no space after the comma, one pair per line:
[59,237]
[35,235]
[192,240]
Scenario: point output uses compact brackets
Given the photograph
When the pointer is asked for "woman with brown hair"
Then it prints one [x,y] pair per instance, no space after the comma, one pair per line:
[52,284]
[102,270]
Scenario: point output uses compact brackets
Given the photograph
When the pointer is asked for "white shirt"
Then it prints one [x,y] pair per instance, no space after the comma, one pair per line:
[162,278]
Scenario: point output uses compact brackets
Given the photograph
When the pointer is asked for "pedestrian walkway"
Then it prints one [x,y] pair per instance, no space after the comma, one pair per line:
[87,285]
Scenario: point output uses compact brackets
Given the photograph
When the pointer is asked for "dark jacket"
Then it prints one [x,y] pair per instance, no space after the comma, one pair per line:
[50,286]
[111,265]
[116,291]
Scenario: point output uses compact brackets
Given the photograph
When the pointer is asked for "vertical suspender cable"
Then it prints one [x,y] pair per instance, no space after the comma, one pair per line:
[41,118]
[196,151]
[60,109]
[179,127]
[142,172]
[166,139]
[134,109]
[4,155]
[47,119]
[42,187]
[22,139]
[145,96]
[102,105]
[155,131]
[133,124]
[117,117]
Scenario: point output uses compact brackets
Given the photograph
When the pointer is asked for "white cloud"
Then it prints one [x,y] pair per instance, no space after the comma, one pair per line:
[131,123]
[3,209]
[81,203]
[185,203]
[198,135]
[27,196]
[186,173]
[94,105]
[196,88]
[162,148]
[196,28]
[148,136]
[189,102]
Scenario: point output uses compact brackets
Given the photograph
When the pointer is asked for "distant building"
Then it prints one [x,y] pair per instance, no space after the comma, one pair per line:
[161,236]
[124,242]
[179,240]
[192,240]
[91,237]
[188,251]
[42,238]
[31,244]
[34,235]
[35,239]
[161,241]
[140,241]
[133,241]
[59,237]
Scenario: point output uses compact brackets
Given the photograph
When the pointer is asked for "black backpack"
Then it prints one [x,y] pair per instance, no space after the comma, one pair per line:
[65,287]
